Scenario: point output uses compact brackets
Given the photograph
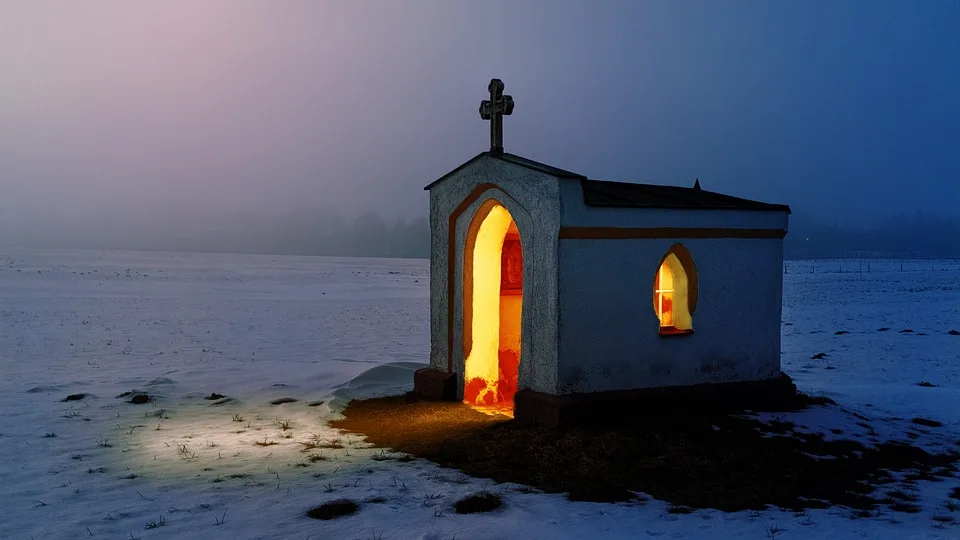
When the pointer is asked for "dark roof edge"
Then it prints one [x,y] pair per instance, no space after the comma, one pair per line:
[514,160]
[767,207]
[454,171]
[746,204]
[771,207]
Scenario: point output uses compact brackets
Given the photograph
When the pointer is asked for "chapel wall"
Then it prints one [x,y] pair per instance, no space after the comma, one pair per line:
[609,332]
[532,199]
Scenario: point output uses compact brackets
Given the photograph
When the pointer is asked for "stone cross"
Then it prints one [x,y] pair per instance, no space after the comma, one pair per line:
[493,109]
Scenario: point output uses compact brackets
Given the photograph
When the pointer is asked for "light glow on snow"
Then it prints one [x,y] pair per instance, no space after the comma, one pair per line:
[232,440]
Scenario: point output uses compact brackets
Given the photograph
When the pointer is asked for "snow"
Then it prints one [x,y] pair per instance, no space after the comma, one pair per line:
[873,369]
[181,326]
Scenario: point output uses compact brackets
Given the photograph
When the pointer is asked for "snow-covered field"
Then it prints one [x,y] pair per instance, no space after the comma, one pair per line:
[259,328]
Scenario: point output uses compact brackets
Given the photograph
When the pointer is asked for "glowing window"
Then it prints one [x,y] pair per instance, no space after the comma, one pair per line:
[675,292]
[664,291]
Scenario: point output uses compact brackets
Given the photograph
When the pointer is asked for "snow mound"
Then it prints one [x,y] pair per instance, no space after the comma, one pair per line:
[46,388]
[384,380]
[160,381]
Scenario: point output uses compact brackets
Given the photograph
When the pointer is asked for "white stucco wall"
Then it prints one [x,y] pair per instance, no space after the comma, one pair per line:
[532,198]
[588,320]
[608,331]
[577,214]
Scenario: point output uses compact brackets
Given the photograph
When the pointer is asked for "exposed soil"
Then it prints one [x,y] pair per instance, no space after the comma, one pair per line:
[478,502]
[696,459]
[334,509]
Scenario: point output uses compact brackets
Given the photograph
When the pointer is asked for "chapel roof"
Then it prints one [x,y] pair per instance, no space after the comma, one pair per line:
[516,160]
[627,195]
[602,193]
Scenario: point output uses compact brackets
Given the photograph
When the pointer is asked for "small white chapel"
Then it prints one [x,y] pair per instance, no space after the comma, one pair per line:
[551,292]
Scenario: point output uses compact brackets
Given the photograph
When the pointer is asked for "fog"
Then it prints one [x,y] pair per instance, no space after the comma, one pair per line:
[157,120]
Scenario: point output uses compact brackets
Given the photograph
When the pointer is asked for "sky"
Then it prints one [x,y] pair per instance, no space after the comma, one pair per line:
[847,110]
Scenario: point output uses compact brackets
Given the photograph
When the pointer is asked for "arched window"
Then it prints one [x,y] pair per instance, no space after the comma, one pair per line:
[675,291]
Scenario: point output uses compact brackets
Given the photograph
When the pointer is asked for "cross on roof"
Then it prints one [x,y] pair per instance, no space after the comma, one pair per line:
[493,109]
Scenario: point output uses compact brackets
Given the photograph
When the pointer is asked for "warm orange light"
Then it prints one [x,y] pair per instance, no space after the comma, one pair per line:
[491,366]
[664,291]
[670,295]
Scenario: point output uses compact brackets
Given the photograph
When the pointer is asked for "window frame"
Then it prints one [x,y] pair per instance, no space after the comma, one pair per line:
[685,262]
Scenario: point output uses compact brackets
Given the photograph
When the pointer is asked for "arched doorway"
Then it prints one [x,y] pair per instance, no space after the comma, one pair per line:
[492,304]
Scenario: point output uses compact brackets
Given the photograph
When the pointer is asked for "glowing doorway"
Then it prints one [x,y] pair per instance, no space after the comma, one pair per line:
[493,301]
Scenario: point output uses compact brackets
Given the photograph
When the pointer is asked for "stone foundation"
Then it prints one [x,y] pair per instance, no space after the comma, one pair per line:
[547,410]
[618,406]
[435,385]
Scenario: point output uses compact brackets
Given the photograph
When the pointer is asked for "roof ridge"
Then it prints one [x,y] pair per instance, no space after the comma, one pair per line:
[637,195]
[513,159]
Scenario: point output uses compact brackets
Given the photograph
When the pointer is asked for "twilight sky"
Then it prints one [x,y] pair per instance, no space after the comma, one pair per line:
[843,109]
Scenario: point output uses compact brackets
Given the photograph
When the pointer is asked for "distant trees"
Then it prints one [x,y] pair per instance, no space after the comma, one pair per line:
[300,232]
[324,231]
[370,236]
[319,232]
[918,236]
[410,239]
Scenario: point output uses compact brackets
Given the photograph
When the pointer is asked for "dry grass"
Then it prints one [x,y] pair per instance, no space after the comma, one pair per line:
[674,456]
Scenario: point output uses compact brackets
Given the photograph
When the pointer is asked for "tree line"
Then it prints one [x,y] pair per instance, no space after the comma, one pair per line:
[304,232]
[313,232]
[327,232]
[917,236]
